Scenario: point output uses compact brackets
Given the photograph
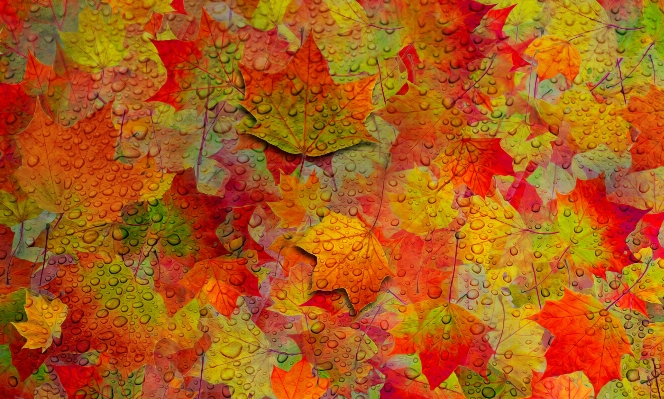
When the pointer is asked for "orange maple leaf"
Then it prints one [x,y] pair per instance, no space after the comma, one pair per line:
[349,257]
[298,383]
[220,282]
[445,31]
[554,56]
[474,162]
[76,171]
[301,202]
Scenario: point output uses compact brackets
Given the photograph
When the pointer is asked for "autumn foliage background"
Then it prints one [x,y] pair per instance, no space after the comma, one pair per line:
[404,199]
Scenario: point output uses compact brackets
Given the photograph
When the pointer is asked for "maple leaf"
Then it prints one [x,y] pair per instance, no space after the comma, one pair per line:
[298,382]
[249,180]
[220,282]
[289,254]
[641,190]
[496,234]
[87,178]
[175,362]
[44,321]
[28,361]
[265,51]
[653,343]
[592,31]
[360,38]
[551,181]
[301,202]
[134,323]
[75,378]
[16,208]
[99,42]
[13,384]
[421,204]
[358,345]
[203,72]
[291,294]
[38,77]
[237,237]
[349,257]
[181,226]
[101,380]
[332,302]
[524,149]
[591,230]
[586,338]
[445,336]
[554,56]
[627,300]
[30,26]
[645,113]
[521,24]
[423,279]
[410,383]
[474,162]
[518,344]
[451,21]
[15,272]
[140,13]
[16,111]
[78,90]
[309,113]
[562,387]
[237,344]
[641,282]
[590,122]
[280,162]
[12,308]
[426,125]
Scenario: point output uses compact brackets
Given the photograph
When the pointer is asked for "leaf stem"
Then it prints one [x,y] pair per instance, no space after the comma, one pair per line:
[656,377]
[622,86]
[539,300]
[606,75]
[11,258]
[41,275]
[200,378]
[456,252]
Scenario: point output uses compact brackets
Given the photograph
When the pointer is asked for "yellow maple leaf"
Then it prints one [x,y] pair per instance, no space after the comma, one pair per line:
[14,210]
[140,11]
[423,205]
[44,321]
[587,24]
[590,123]
[99,42]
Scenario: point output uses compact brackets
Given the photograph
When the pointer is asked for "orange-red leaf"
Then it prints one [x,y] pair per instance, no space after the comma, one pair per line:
[220,282]
[587,338]
[298,383]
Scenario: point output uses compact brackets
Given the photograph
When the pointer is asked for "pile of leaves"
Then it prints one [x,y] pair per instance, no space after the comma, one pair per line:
[404,199]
